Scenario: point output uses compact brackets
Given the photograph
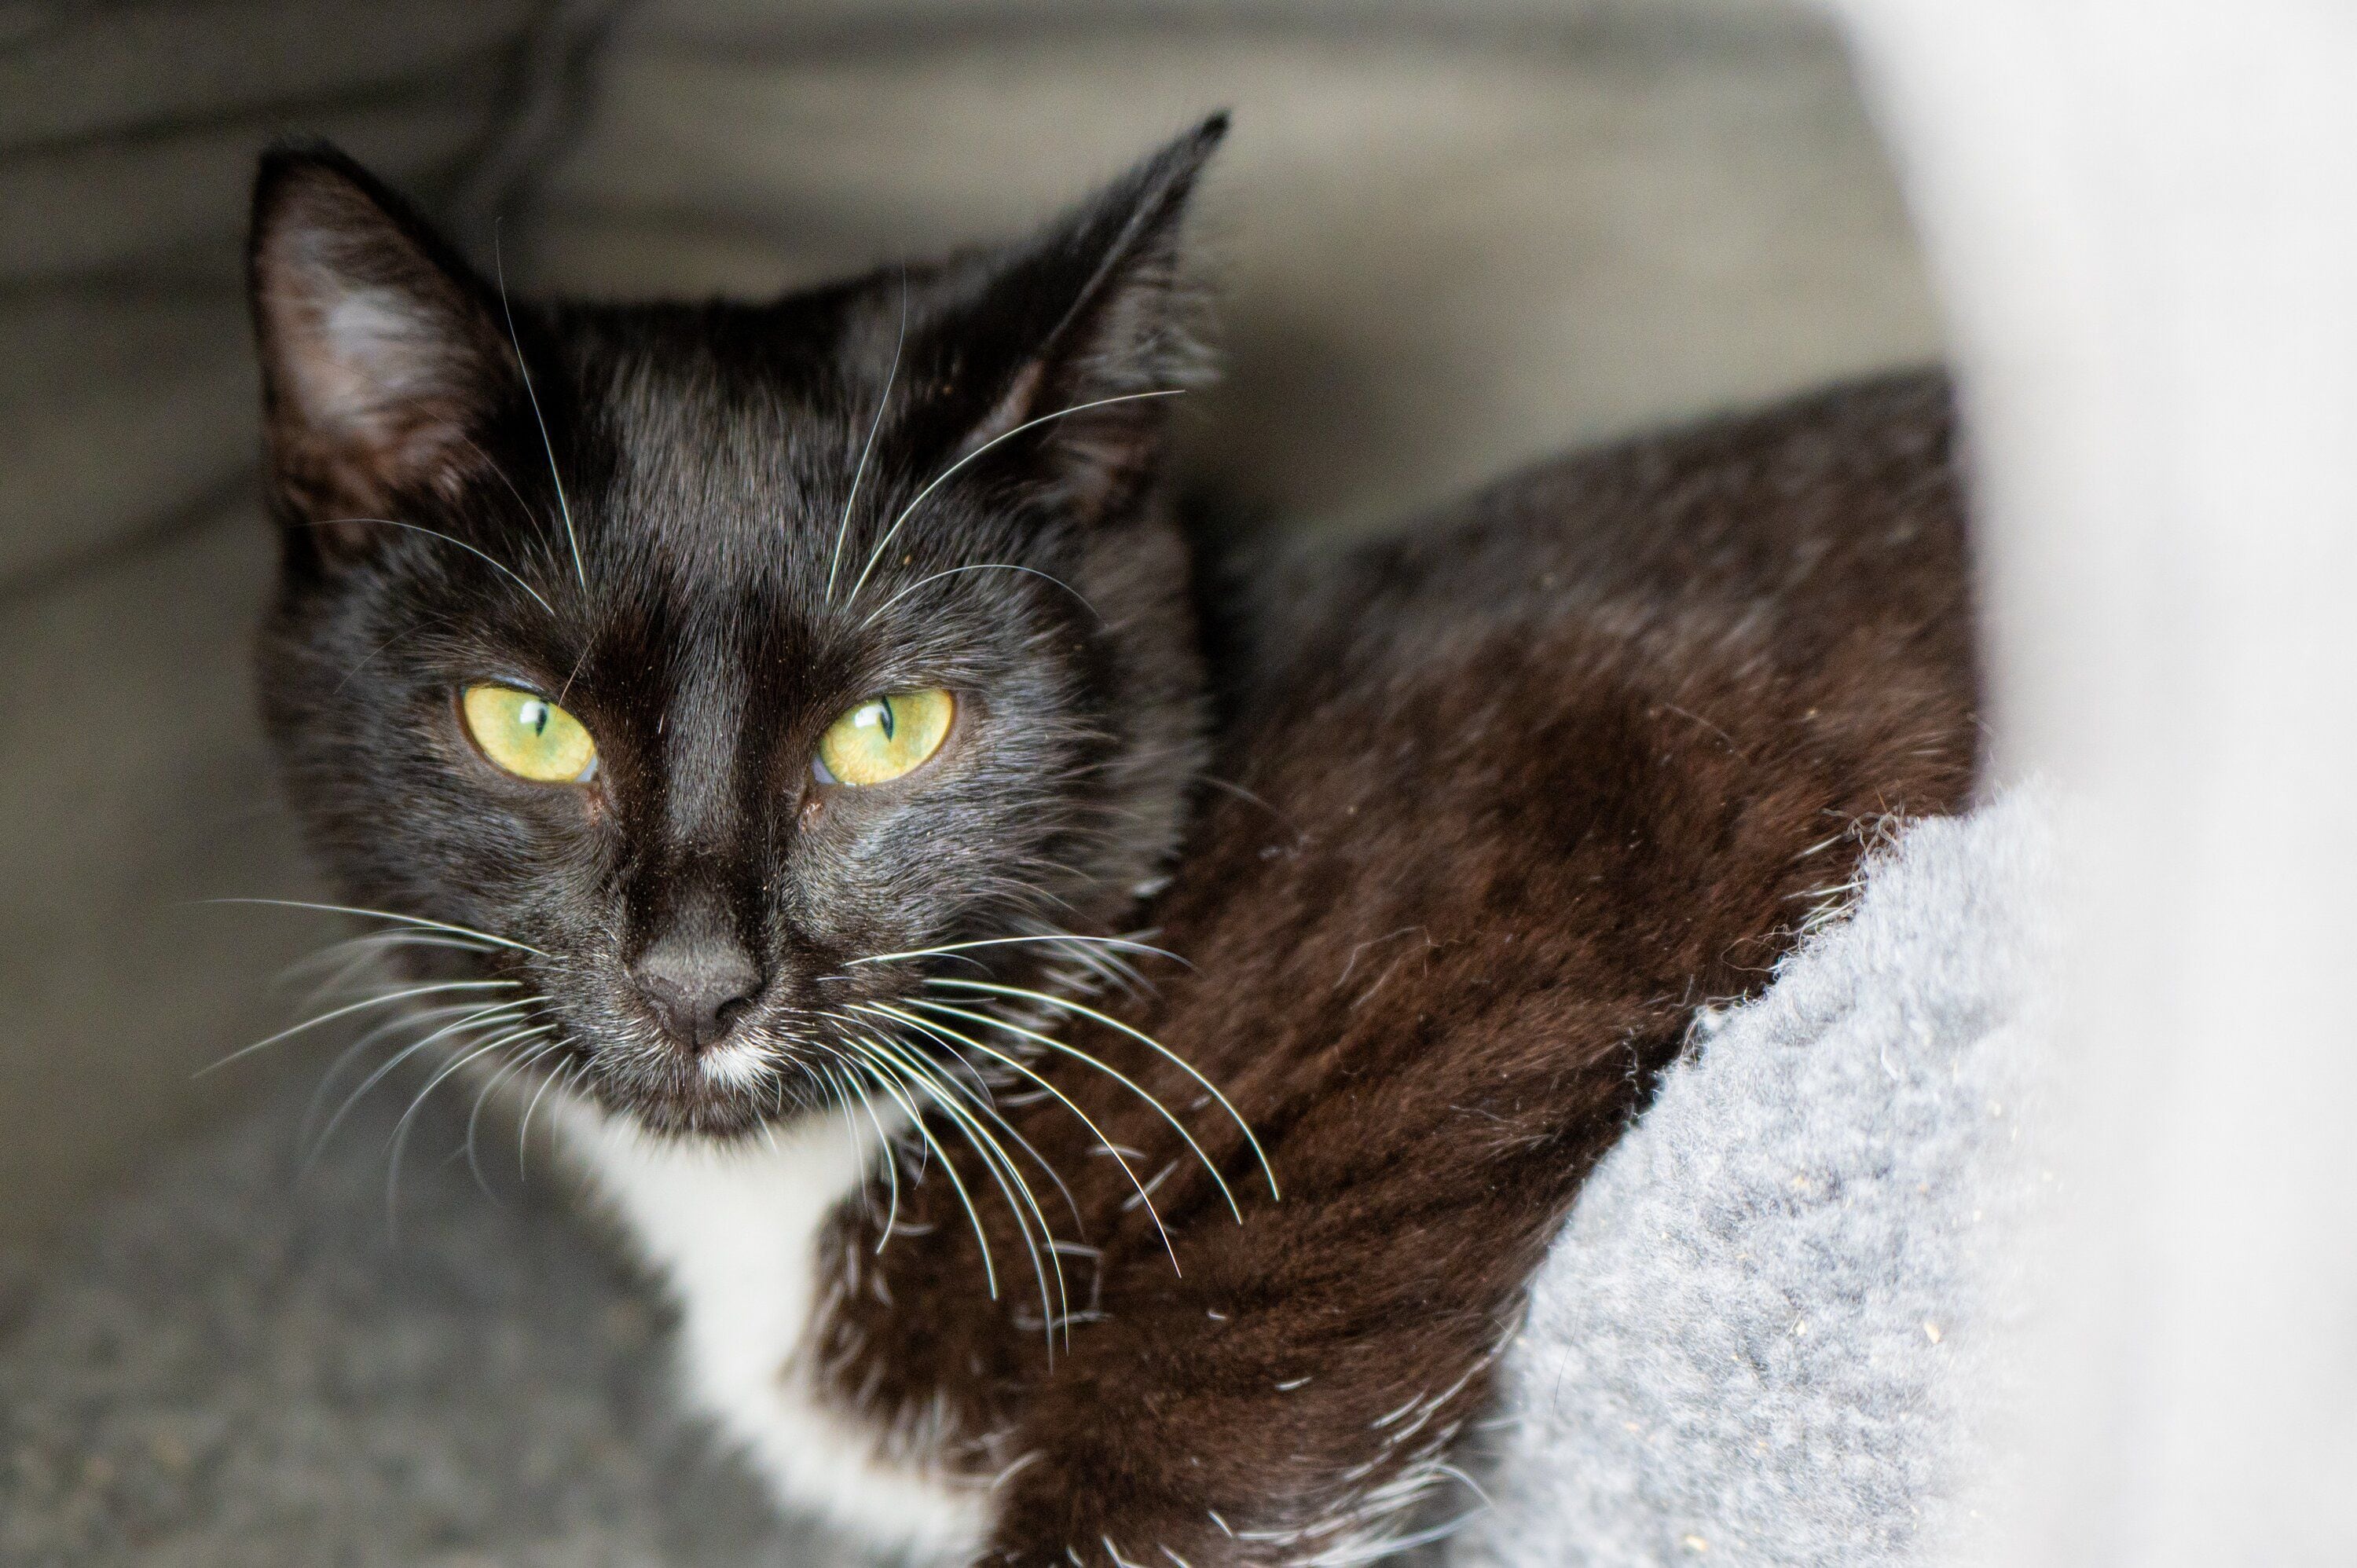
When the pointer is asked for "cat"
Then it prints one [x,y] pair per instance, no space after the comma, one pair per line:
[1095,1040]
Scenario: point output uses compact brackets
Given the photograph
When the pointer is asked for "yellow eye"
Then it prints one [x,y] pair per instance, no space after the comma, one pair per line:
[529,736]
[884,737]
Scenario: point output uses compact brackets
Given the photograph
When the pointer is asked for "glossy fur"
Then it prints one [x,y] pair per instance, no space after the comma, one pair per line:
[1493,807]
[1507,799]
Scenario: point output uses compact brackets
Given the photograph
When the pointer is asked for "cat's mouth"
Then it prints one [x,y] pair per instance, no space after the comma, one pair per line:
[734,1065]
[731,1089]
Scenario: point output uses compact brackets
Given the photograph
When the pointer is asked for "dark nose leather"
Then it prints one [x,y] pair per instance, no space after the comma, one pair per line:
[697,985]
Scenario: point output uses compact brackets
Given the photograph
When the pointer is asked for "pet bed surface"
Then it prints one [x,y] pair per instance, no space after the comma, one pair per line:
[1776,1327]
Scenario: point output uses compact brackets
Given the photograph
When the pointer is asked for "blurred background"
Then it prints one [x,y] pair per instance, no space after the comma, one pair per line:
[1448,236]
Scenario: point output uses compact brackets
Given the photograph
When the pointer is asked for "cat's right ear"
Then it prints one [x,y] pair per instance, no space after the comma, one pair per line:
[380,353]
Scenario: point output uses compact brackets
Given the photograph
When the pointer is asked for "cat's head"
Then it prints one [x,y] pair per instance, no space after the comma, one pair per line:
[692,664]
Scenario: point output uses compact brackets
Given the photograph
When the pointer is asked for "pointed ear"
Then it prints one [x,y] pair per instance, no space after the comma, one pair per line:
[1098,308]
[379,351]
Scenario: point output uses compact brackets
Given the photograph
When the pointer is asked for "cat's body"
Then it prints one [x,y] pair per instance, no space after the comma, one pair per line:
[1492,808]
[1433,965]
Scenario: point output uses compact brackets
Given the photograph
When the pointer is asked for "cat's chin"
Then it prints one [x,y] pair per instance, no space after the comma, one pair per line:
[716,1099]
[724,1117]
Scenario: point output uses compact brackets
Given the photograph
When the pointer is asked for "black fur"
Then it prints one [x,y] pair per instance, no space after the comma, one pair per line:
[708,455]
[1492,806]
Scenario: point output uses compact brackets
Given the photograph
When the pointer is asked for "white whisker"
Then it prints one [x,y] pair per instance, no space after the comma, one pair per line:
[1053,1044]
[946,1033]
[418,920]
[884,1142]
[1069,1005]
[890,1083]
[365,1002]
[978,1093]
[524,1128]
[422,1016]
[1120,943]
[875,425]
[983,567]
[418,528]
[878,553]
[418,1102]
[993,1157]
[547,446]
[507,1071]
[503,1014]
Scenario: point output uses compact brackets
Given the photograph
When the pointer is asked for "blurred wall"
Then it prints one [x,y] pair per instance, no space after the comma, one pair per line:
[132,560]
[1449,236]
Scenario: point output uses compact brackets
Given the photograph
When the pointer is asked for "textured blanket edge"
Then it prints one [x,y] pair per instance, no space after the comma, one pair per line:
[1775,1329]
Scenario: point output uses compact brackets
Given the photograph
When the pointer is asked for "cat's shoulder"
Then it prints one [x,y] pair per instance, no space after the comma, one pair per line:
[1835,504]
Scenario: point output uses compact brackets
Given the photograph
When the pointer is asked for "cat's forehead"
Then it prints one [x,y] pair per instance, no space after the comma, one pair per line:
[719,479]
[720,464]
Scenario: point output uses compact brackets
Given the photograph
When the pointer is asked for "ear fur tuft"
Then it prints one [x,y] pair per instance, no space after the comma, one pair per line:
[1112,317]
[379,351]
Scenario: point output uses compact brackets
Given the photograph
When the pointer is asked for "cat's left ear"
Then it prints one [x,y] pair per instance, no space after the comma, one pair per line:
[1095,321]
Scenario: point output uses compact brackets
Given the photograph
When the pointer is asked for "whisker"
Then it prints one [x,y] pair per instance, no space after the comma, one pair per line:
[367,944]
[524,1128]
[978,1094]
[354,965]
[358,955]
[890,1083]
[366,1002]
[876,425]
[418,1102]
[422,1016]
[1120,943]
[436,533]
[993,1157]
[417,920]
[506,1070]
[1102,1066]
[1069,1005]
[947,1034]
[878,553]
[983,567]
[511,1012]
[837,1081]
[1075,1052]
[891,1166]
[564,507]
[524,507]
[365,660]
[885,1143]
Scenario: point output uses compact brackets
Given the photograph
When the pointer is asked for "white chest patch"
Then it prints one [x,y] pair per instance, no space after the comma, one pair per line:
[735,1232]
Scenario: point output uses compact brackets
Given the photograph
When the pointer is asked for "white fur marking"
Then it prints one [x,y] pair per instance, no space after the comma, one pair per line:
[734,1064]
[735,1230]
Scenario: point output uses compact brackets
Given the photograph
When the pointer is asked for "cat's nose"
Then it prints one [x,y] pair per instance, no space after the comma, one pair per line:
[696,987]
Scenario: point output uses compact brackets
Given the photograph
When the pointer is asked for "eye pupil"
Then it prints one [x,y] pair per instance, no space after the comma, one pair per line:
[885,737]
[528,736]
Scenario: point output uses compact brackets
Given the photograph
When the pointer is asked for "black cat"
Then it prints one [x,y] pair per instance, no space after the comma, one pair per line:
[768,720]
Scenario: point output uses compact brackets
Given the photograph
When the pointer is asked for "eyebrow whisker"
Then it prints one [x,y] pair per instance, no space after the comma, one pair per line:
[564,507]
[878,553]
[876,425]
[435,532]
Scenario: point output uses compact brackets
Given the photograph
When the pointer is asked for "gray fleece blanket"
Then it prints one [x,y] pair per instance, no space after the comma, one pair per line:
[1770,1334]
[1775,1330]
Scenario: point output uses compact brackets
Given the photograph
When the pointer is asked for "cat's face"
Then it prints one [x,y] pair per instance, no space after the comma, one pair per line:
[704,660]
